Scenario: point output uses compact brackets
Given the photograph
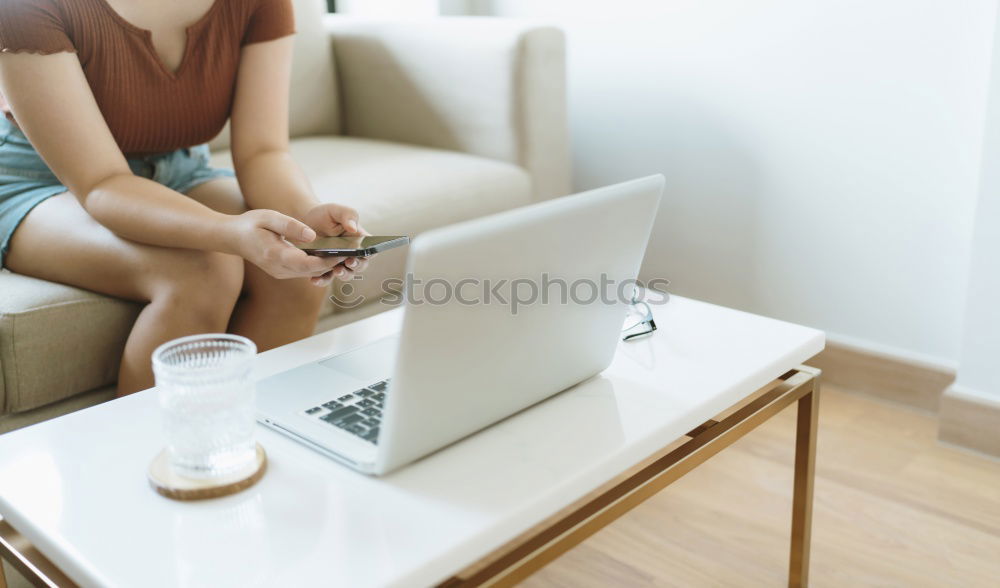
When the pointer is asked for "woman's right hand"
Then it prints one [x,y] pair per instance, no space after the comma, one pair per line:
[262,238]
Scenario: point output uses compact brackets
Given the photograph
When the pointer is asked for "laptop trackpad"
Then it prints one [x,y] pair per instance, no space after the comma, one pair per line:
[369,363]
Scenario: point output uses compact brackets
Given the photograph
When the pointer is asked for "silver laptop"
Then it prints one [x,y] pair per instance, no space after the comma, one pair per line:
[502,312]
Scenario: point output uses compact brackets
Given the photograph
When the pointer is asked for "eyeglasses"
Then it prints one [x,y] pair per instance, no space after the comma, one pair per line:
[642,315]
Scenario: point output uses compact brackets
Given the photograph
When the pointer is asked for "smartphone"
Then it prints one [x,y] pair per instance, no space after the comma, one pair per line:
[351,245]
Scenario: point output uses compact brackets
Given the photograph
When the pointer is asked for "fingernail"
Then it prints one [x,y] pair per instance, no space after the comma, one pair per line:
[307,234]
[352,262]
[352,225]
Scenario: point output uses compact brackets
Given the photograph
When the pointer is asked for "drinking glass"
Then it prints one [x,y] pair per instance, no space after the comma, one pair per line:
[207,402]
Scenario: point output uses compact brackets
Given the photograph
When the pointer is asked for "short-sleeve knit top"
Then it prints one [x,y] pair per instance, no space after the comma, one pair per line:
[148,108]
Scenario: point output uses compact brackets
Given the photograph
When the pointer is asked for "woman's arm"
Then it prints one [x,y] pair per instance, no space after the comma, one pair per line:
[268,176]
[55,108]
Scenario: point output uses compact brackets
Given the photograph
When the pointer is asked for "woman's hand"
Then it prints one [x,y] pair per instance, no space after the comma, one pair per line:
[334,220]
[262,238]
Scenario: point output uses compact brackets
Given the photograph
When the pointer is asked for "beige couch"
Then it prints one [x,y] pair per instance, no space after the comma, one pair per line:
[417,124]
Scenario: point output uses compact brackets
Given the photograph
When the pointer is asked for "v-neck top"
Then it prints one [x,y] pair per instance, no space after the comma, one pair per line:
[148,107]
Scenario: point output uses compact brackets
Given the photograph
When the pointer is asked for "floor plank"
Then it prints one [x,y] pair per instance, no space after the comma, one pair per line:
[894,507]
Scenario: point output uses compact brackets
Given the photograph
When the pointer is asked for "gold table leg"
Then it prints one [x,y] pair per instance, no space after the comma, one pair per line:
[802,497]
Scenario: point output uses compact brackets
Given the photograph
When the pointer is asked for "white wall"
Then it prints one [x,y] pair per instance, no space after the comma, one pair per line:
[821,155]
[406,8]
[977,373]
[393,8]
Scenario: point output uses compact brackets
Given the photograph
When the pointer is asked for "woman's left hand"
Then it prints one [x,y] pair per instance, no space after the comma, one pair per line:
[334,220]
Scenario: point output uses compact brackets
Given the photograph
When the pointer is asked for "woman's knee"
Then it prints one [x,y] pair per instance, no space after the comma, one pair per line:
[204,284]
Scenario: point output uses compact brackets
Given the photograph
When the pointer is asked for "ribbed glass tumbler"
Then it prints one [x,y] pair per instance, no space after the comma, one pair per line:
[207,402]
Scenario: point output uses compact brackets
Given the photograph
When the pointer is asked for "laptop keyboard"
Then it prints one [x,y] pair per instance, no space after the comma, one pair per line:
[359,413]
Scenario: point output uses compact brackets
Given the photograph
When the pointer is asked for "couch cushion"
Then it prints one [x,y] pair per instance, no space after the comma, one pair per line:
[57,341]
[402,190]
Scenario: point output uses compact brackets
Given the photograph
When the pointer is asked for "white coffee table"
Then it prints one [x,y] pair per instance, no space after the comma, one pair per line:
[493,508]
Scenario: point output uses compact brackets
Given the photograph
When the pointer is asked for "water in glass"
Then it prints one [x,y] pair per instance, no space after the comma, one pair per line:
[207,400]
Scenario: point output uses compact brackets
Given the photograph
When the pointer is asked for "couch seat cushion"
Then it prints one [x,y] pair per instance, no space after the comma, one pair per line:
[57,341]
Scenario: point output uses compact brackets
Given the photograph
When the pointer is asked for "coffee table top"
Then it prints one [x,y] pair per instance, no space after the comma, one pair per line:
[75,486]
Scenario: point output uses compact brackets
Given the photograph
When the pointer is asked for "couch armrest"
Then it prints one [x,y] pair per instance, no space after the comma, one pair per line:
[487,86]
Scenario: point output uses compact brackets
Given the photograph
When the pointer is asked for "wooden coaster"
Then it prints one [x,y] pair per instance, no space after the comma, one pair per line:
[163,479]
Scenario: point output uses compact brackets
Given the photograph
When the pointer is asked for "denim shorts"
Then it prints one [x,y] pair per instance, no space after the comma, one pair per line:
[25,180]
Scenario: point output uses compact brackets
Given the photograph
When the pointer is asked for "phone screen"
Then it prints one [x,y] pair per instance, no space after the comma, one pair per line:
[347,242]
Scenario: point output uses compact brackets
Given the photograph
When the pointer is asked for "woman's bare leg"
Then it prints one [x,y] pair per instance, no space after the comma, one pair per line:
[187,291]
[274,312]
[270,312]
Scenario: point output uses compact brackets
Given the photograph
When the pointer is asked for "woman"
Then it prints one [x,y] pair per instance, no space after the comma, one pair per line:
[104,177]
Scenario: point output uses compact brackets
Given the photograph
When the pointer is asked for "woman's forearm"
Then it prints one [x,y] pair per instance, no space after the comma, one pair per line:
[142,210]
[272,180]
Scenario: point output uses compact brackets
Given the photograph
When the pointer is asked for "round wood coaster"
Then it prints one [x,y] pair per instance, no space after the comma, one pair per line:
[163,479]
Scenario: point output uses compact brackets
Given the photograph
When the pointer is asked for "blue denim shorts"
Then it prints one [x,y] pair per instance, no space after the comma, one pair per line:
[25,180]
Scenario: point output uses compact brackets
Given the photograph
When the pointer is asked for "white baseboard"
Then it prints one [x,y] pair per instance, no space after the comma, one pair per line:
[965,418]
[917,382]
[892,352]
[970,420]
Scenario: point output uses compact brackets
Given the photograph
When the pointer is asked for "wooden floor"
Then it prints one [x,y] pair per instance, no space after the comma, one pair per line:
[893,507]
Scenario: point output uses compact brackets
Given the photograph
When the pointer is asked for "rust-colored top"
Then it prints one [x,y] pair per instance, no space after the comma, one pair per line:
[148,107]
